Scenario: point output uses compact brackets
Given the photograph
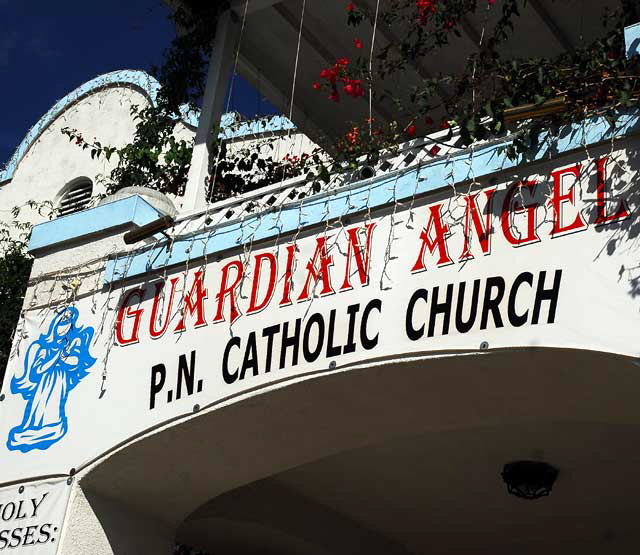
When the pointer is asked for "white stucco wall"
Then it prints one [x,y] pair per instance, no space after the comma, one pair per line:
[53,161]
[99,526]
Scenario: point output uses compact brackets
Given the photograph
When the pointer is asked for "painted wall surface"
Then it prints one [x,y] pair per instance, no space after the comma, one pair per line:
[46,162]
[544,255]
[53,161]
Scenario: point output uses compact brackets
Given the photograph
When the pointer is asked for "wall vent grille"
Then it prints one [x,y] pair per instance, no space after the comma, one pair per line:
[76,198]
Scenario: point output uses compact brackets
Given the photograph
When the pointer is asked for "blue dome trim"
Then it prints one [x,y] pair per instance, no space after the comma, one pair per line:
[137,78]
[232,127]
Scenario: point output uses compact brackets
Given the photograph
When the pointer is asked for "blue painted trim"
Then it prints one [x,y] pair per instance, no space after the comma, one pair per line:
[130,210]
[363,196]
[632,40]
[147,83]
[136,78]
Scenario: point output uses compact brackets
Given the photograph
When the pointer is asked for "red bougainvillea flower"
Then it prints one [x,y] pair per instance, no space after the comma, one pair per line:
[491,2]
[330,74]
[353,88]
[350,7]
[358,43]
[352,136]
[444,124]
[411,131]
[449,24]
[425,9]
[434,150]
[428,120]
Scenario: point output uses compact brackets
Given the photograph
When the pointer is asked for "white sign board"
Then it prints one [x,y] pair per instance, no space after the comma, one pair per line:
[31,517]
[546,260]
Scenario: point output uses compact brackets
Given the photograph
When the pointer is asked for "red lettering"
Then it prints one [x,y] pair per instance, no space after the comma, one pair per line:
[511,207]
[229,291]
[153,332]
[194,302]
[622,211]
[439,242]
[288,276]
[362,261]
[322,274]
[558,200]
[254,305]
[127,312]
[483,231]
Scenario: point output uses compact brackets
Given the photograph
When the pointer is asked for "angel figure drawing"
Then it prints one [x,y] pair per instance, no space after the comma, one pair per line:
[53,365]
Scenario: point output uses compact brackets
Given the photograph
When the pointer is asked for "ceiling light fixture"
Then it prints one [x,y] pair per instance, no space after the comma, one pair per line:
[529,479]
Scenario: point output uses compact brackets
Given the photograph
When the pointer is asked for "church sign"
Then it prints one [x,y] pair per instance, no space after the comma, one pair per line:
[31,517]
[541,260]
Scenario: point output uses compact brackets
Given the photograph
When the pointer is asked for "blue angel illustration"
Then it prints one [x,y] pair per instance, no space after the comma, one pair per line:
[53,365]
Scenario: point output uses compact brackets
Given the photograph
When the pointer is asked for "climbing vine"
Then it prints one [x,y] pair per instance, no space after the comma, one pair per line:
[15,268]
[484,100]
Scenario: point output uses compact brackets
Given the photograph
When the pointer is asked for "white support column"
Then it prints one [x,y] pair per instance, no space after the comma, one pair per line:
[212,107]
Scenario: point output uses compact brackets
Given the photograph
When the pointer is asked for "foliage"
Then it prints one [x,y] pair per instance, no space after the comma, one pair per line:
[247,170]
[155,158]
[15,269]
[595,79]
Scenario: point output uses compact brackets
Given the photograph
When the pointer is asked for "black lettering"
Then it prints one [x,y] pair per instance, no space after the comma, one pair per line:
[332,350]
[350,346]
[269,332]
[461,325]
[413,333]
[21,514]
[250,359]
[15,535]
[187,373]
[45,533]
[293,341]
[516,319]
[28,535]
[550,295]
[369,343]
[11,506]
[36,506]
[226,375]
[309,354]
[4,538]
[491,303]
[440,308]
[158,375]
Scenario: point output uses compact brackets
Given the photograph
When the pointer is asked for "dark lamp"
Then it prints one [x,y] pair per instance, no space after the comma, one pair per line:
[529,479]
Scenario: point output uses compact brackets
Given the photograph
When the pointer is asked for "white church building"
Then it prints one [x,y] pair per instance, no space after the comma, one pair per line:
[438,355]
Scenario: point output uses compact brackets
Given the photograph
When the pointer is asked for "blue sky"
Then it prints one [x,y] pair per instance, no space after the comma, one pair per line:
[48,48]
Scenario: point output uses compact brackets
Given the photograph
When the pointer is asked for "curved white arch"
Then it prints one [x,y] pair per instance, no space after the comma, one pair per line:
[137,78]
